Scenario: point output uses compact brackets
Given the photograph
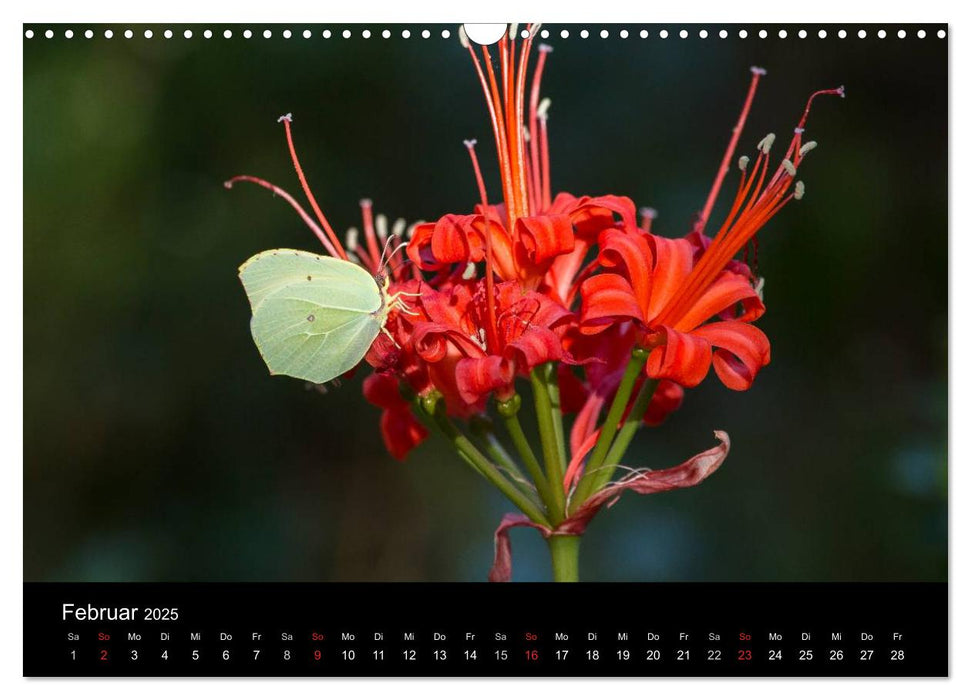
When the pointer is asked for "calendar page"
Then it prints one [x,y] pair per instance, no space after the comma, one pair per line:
[523,349]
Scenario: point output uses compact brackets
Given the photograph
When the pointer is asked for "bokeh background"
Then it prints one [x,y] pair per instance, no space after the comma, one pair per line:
[158,448]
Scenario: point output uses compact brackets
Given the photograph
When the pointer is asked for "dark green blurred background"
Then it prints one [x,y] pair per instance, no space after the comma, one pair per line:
[158,448]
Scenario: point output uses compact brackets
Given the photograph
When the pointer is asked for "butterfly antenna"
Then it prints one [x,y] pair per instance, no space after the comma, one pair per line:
[387,257]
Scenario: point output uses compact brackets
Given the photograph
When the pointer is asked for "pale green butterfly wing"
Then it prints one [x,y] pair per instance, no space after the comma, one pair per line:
[351,285]
[314,317]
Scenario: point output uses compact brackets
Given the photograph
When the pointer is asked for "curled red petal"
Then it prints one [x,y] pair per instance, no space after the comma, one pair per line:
[382,391]
[667,398]
[575,468]
[534,347]
[605,299]
[742,351]
[541,238]
[591,215]
[430,341]
[685,475]
[501,570]
[587,419]
[723,295]
[419,247]
[454,240]
[631,255]
[479,376]
[682,357]
[401,432]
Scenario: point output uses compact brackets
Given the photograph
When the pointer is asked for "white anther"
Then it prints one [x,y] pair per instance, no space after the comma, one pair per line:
[469,271]
[799,191]
[544,48]
[351,239]
[544,107]
[513,28]
[648,213]
[807,147]
[789,167]
[756,70]
[470,143]
[759,288]
[381,226]
[743,163]
[463,37]
[766,143]
[288,117]
[398,227]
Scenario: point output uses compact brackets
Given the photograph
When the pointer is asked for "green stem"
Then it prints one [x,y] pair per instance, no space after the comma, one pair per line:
[553,388]
[509,410]
[565,552]
[609,429]
[470,453]
[626,434]
[485,435]
[547,435]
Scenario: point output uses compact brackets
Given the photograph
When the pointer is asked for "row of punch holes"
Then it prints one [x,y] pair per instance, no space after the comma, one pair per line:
[447,33]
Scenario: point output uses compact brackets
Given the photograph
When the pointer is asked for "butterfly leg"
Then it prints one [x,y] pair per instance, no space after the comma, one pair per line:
[388,333]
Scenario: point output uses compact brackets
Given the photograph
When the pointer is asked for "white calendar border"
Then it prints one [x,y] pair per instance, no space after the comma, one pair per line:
[755,11]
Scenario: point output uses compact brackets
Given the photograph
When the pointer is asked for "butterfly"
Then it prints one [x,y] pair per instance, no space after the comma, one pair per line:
[314,316]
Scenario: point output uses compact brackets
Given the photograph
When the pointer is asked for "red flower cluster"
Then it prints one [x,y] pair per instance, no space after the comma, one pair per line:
[576,279]
[508,287]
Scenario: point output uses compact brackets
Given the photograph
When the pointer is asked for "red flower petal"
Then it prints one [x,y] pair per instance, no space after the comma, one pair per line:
[683,358]
[744,350]
[501,570]
[573,393]
[673,260]
[534,347]
[605,299]
[632,254]
[455,241]
[541,238]
[685,475]
[401,432]
[666,400]
[382,391]
[480,376]
[728,290]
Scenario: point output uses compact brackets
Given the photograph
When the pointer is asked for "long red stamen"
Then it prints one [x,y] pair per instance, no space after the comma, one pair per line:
[513,125]
[537,186]
[311,224]
[502,144]
[736,232]
[286,119]
[520,106]
[544,148]
[757,73]
[492,103]
[370,237]
[492,333]
[364,258]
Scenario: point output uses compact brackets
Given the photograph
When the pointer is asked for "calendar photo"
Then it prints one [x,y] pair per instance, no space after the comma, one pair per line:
[385,313]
